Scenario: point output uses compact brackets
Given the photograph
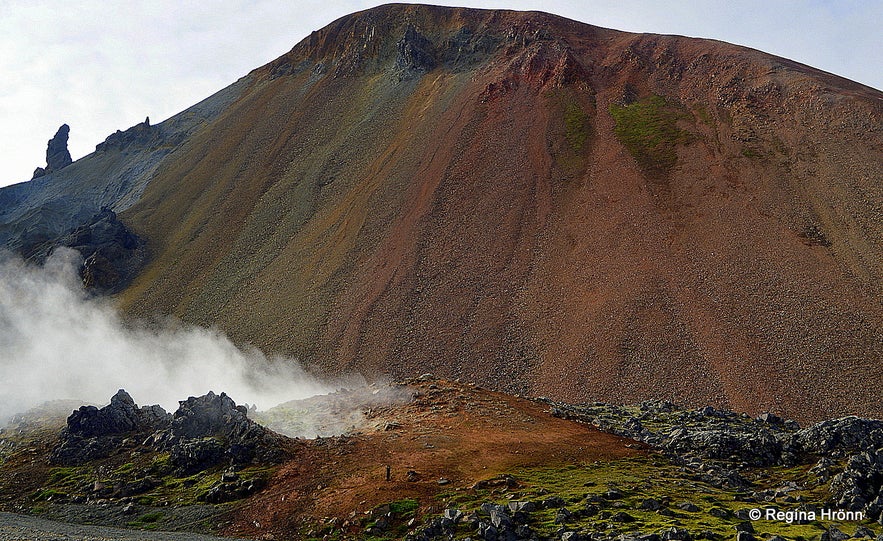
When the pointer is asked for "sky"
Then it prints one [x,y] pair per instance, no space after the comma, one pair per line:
[101,66]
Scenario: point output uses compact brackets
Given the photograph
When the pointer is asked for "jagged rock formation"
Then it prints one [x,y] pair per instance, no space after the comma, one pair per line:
[840,437]
[859,487]
[414,53]
[140,135]
[92,433]
[46,208]
[204,432]
[57,155]
[112,254]
[211,429]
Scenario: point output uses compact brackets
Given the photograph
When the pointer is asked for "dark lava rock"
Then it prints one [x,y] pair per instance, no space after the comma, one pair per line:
[839,437]
[676,534]
[93,433]
[208,430]
[745,526]
[859,487]
[57,154]
[863,532]
[204,432]
[757,446]
[414,53]
[834,534]
[113,255]
[650,504]
[139,136]
[231,491]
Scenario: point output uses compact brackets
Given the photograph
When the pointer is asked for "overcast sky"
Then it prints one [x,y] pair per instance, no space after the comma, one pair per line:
[102,65]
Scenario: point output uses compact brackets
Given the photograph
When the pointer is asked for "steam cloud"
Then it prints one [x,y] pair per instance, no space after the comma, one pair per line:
[57,343]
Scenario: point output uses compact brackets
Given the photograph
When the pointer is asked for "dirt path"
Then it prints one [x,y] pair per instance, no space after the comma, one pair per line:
[26,528]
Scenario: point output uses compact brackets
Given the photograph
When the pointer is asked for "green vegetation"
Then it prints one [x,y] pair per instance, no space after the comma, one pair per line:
[703,115]
[576,126]
[653,492]
[570,131]
[648,129]
[147,521]
[403,508]
[125,469]
[47,494]
[60,475]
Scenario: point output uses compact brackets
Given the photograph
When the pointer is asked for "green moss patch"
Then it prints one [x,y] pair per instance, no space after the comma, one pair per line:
[576,126]
[648,129]
[647,494]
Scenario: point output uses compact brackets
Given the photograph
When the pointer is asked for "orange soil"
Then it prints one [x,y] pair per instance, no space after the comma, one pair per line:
[451,431]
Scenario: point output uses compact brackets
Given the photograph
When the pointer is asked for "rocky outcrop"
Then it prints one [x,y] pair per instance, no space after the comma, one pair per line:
[705,433]
[112,253]
[839,438]
[204,432]
[232,488]
[716,444]
[140,135]
[57,154]
[414,54]
[859,487]
[211,429]
[92,433]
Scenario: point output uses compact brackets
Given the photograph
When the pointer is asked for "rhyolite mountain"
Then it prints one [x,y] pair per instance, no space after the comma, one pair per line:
[513,198]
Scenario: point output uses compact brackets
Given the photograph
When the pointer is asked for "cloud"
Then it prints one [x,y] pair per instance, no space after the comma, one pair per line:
[58,343]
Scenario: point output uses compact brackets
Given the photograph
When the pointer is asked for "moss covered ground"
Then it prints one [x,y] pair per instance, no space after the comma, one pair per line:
[649,130]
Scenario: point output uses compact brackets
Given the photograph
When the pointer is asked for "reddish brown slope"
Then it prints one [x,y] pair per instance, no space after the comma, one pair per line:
[473,193]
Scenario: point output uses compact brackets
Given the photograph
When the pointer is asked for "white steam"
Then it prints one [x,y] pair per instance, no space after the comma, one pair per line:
[57,343]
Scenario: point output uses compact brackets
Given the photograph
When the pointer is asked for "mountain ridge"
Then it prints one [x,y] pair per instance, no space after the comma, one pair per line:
[536,204]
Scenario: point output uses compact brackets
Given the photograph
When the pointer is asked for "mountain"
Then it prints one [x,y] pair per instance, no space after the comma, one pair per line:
[513,198]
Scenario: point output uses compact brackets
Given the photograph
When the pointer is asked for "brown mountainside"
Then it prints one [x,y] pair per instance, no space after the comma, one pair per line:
[537,205]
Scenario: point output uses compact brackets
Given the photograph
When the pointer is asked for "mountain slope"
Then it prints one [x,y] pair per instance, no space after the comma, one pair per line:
[537,205]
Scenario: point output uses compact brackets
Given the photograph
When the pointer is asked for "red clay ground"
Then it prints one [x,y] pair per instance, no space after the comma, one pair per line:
[449,431]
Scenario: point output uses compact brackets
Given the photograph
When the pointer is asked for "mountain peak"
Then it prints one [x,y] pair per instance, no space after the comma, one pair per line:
[409,39]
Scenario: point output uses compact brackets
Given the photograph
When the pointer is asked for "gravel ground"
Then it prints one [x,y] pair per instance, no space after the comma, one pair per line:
[26,528]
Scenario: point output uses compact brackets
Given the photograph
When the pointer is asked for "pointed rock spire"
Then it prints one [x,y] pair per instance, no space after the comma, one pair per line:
[57,154]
